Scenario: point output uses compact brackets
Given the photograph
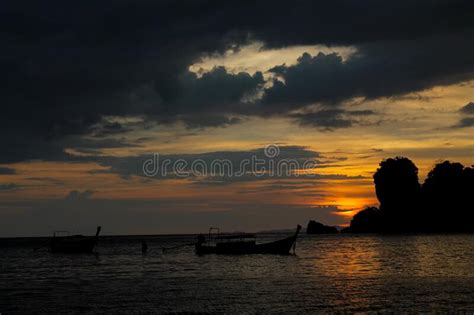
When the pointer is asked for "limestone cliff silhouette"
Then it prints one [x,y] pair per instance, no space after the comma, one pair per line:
[442,204]
[368,220]
[446,195]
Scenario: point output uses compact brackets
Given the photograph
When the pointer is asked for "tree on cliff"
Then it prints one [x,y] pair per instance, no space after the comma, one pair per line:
[446,194]
[398,191]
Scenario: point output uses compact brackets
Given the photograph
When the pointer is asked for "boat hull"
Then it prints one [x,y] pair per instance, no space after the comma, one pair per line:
[280,247]
[73,245]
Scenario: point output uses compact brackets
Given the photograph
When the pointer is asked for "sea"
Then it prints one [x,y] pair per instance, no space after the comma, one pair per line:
[327,274]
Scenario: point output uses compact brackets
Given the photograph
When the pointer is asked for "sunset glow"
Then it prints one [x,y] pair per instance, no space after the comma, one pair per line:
[345,102]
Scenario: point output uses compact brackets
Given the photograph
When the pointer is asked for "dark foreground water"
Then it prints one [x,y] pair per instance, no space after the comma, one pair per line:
[329,273]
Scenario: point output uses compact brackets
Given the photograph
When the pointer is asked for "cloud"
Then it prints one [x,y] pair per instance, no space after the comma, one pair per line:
[365,112]
[7,171]
[47,180]
[217,89]
[466,122]
[64,70]
[385,69]
[331,118]
[76,195]
[292,163]
[133,165]
[228,180]
[8,187]
[108,129]
[468,109]
[94,146]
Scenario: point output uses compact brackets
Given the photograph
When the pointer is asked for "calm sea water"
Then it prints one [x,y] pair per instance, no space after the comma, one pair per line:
[329,273]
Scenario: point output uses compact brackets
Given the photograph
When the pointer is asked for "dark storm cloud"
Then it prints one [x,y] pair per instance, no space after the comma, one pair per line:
[7,171]
[75,195]
[8,187]
[224,167]
[133,165]
[108,129]
[468,109]
[102,144]
[217,89]
[331,118]
[64,66]
[466,122]
[209,120]
[384,69]
[467,119]
[364,112]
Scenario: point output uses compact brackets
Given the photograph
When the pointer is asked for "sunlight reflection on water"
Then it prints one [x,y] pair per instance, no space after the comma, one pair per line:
[330,273]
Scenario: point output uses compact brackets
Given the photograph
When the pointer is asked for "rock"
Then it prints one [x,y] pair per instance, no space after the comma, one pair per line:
[319,228]
[346,230]
[366,221]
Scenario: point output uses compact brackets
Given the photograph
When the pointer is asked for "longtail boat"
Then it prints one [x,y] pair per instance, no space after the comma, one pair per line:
[243,244]
[62,242]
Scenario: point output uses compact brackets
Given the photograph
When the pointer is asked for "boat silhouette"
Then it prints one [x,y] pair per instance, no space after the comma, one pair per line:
[243,244]
[73,243]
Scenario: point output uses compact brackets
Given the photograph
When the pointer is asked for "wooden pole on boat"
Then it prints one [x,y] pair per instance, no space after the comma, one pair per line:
[98,231]
[298,228]
[97,234]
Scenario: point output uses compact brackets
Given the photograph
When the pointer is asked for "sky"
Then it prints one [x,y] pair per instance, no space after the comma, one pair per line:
[90,91]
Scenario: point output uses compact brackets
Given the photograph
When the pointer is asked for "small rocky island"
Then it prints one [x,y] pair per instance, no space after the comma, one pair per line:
[315,227]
